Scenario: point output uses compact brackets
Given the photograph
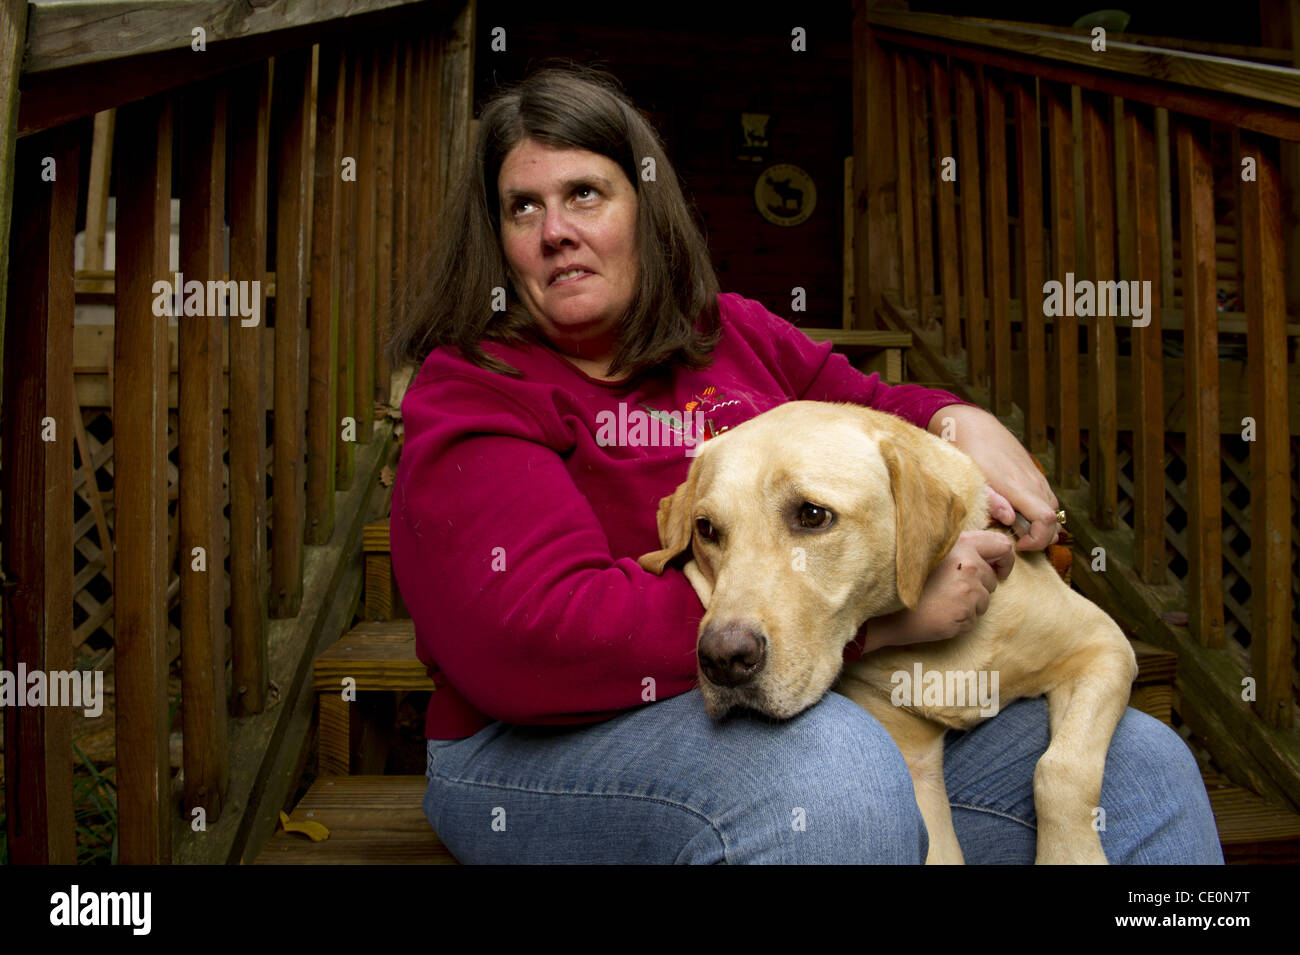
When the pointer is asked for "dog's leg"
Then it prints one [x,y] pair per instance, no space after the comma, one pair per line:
[1083,711]
[926,766]
[921,743]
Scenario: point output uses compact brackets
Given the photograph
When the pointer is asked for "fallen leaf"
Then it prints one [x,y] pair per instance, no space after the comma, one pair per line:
[312,830]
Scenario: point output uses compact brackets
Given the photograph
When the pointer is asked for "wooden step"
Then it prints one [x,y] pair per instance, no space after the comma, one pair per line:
[1251,830]
[378,654]
[378,820]
[372,820]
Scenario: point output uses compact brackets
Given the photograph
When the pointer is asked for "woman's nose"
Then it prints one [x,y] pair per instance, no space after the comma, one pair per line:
[556,227]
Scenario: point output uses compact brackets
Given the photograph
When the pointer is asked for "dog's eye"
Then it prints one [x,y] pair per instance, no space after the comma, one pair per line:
[704,527]
[812,516]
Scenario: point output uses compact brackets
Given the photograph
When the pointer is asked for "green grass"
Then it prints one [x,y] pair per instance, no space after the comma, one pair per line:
[94,809]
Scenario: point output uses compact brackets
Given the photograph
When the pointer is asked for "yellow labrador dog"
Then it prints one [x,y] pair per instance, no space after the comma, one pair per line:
[813,517]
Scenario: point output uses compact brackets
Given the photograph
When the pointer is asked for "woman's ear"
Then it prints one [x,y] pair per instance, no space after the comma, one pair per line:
[674,520]
[928,519]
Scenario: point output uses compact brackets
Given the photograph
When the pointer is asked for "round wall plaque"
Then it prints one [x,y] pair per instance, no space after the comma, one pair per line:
[785,195]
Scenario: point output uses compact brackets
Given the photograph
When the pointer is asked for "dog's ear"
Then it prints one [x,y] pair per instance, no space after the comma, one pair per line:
[928,517]
[674,520]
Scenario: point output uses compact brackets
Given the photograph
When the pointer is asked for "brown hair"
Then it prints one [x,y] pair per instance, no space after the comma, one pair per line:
[568,106]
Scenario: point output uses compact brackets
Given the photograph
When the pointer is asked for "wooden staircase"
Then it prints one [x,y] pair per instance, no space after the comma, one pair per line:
[375,819]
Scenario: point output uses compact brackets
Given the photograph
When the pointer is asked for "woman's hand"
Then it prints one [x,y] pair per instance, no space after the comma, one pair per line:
[956,592]
[1016,482]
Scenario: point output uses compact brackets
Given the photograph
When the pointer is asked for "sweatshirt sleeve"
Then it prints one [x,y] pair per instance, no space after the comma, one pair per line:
[814,371]
[509,577]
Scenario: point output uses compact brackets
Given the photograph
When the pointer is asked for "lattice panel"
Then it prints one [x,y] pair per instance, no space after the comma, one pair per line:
[92,587]
[1234,455]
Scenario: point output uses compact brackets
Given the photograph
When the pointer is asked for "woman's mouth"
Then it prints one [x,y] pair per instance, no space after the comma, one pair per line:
[570,276]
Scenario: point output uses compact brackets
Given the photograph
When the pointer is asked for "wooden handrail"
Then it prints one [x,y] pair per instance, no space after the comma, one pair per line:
[1261,81]
[1256,96]
[60,34]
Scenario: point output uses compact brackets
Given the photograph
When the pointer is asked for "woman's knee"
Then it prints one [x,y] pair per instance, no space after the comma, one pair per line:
[841,793]
[1160,809]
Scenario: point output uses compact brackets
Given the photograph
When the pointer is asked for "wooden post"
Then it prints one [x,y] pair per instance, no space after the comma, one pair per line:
[972,257]
[13,31]
[249,119]
[141,363]
[1263,257]
[322,398]
[946,198]
[1029,177]
[1066,336]
[1103,439]
[199,354]
[291,102]
[1201,385]
[999,262]
[36,492]
[1148,387]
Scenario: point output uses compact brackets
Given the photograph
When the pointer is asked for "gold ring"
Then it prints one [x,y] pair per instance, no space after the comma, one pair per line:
[1060,517]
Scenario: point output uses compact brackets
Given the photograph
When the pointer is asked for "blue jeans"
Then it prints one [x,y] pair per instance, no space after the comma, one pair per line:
[665,783]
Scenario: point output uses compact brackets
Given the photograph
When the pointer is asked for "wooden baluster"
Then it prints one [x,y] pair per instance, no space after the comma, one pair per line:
[921,155]
[1201,385]
[199,353]
[1148,387]
[322,398]
[292,103]
[367,193]
[1263,258]
[1066,336]
[385,214]
[903,160]
[972,237]
[437,134]
[946,198]
[249,120]
[36,491]
[999,263]
[456,99]
[417,164]
[876,258]
[141,364]
[402,178]
[345,445]
[1103,439]
[1029,173]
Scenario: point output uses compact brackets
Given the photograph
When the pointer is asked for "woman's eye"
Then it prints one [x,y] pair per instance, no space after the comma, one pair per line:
[704,528]
[812,516]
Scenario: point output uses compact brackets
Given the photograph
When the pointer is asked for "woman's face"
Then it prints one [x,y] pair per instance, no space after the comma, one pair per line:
[565,210]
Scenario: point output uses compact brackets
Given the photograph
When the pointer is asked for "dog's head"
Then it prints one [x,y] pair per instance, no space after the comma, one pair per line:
[802,522]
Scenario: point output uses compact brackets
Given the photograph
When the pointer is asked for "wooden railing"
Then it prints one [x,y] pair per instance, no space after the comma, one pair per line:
[344,121]
[1000,157]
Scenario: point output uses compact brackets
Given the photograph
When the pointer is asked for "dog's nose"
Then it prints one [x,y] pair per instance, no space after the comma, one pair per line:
[731,655]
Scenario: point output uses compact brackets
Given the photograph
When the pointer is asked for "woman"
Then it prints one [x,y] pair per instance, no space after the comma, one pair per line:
[571,284]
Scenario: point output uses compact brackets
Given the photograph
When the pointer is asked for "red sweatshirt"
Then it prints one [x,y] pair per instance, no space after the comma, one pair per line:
[521,505]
